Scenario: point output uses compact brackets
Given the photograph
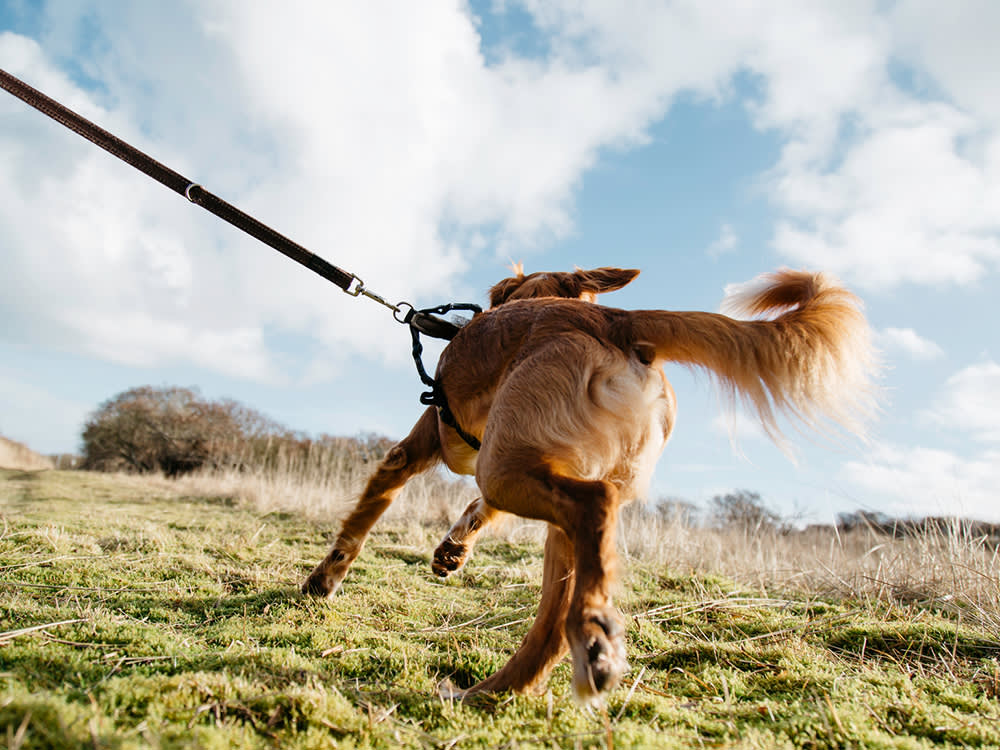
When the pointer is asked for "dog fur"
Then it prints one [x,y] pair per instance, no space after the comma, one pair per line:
[572,408]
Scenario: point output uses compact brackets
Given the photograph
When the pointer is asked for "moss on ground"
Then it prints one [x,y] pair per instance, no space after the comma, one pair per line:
[170,621]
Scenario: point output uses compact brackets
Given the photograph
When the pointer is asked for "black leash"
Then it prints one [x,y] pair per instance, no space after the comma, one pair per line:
[178,183]
[427,321]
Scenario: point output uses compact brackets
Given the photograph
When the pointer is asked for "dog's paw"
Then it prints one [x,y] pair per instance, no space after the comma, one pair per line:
[326,578]
[598,647]
[449,557]
[447,690]
[319,585]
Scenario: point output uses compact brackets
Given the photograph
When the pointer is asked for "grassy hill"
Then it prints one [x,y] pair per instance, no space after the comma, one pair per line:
[134,615]
[14,455]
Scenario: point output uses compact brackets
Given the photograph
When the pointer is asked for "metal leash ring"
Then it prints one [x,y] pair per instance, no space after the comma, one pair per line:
[402,317]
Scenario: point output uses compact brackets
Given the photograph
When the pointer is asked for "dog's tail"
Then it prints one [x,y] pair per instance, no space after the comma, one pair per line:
[807,353]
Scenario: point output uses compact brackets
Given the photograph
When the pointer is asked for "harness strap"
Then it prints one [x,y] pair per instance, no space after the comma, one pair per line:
[428,322]
[437,398]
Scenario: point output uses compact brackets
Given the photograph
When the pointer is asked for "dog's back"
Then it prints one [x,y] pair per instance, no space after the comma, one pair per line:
[556,376]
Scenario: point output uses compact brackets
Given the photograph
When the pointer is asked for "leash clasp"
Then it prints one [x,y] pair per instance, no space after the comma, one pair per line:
[356,288]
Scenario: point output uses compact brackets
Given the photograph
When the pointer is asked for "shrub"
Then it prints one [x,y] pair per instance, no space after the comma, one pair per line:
[176,431]
[172,430]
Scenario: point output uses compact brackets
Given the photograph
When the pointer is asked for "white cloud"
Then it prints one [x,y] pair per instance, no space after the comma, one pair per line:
[909,342]
[903,183]
[920,480]
[955,45]
[927,481]
[904,204]
[969,403]
[725,243]
[880,180]
[378,135]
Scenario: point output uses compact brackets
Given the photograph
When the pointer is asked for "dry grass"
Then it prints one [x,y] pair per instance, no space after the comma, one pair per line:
[309,489]
[947,569]
[14,455]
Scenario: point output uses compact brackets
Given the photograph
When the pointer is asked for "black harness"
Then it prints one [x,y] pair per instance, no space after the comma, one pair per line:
[429,322]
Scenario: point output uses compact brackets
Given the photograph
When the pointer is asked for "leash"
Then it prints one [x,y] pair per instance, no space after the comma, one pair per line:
[428,321]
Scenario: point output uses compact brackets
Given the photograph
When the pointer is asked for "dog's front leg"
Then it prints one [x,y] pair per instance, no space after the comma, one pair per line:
[416,453]
[456,547]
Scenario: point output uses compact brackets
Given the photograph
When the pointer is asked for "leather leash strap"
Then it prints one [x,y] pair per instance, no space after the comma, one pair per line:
[179,184]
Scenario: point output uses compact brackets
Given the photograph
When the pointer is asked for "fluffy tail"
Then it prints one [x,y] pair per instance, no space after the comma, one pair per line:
[807,354]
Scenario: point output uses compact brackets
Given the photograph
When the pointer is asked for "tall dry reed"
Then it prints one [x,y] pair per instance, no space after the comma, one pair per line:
[944,566]
[324,480]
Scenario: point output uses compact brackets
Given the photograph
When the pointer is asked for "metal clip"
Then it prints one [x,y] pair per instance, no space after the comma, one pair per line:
[359,289]
[372,295]
[356,290]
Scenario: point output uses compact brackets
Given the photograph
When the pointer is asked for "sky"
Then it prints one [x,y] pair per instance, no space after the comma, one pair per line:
[426,146]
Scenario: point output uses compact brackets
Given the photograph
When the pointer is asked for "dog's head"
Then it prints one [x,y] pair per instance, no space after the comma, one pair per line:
[584,285]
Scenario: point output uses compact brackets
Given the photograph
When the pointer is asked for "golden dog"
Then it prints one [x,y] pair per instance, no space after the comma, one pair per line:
[572,408]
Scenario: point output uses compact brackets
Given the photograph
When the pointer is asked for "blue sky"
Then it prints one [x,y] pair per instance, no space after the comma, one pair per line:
[425,146]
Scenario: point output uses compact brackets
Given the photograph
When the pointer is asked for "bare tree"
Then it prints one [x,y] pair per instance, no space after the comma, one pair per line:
[743,510]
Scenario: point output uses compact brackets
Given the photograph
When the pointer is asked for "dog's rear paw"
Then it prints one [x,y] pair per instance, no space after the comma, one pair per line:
[319,585]
[598,655]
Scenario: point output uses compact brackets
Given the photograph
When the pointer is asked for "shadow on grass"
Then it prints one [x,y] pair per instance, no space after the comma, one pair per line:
[911,644]
[201,608]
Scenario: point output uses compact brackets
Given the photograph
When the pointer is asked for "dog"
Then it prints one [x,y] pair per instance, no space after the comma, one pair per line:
[572,408]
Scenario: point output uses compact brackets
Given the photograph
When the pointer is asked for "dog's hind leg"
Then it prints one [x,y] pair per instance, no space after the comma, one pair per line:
[456,547]
[594,626]
[545,643]
[416,453]
[587,512]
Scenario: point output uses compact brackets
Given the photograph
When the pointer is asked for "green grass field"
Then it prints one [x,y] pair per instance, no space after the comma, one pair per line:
[135,616]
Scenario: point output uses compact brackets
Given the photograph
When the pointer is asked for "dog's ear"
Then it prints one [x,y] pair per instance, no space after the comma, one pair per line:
[583,285]
[502,290]
[602,280]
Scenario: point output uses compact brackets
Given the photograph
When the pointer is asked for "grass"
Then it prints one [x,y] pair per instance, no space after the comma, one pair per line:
[14,455]
[139,613]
